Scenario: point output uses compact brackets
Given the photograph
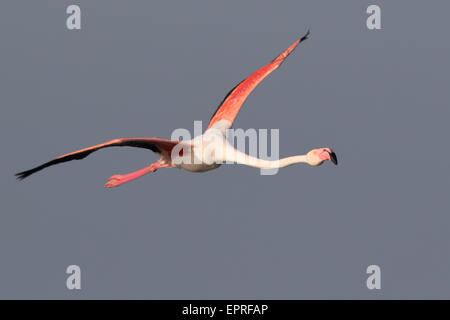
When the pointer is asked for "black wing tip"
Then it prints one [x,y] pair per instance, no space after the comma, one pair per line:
[22,175]
[305,37]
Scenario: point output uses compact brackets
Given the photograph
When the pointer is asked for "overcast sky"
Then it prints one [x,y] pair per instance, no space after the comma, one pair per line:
[379,98]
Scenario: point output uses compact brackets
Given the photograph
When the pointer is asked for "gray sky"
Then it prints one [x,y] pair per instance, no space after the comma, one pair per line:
[143,68]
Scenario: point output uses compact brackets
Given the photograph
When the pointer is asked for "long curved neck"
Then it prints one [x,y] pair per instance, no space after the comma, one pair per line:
[233,155]
[272,164]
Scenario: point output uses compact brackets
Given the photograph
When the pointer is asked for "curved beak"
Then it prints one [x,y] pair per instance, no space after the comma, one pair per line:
[333,158]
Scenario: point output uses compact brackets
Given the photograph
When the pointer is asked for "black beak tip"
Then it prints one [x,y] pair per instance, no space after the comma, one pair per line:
[333,158]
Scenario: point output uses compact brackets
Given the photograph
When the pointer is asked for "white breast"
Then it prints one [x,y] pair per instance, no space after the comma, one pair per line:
[200,153]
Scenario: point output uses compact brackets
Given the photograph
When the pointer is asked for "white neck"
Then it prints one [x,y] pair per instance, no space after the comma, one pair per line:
[236,156]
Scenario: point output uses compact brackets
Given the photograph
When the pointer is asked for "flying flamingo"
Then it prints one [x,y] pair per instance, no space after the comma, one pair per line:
[221,120]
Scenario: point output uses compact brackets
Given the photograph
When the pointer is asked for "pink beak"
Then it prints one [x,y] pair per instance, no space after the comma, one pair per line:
[333,158]
[329,154]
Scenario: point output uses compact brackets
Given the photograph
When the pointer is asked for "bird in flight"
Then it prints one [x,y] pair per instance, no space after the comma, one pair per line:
[207,151]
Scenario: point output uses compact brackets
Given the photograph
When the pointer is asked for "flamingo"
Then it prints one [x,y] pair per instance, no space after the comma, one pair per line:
[221,120]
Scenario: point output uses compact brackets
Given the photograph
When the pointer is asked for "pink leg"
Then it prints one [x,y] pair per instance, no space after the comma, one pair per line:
[118,179]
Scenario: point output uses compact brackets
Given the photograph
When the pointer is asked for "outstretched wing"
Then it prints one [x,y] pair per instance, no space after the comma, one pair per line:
[158,145]
[233,101]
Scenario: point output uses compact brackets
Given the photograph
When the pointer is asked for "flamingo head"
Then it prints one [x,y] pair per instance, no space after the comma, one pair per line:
[317,156]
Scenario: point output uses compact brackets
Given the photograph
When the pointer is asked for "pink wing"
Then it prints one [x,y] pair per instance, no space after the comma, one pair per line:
[158,145]
[234,100]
